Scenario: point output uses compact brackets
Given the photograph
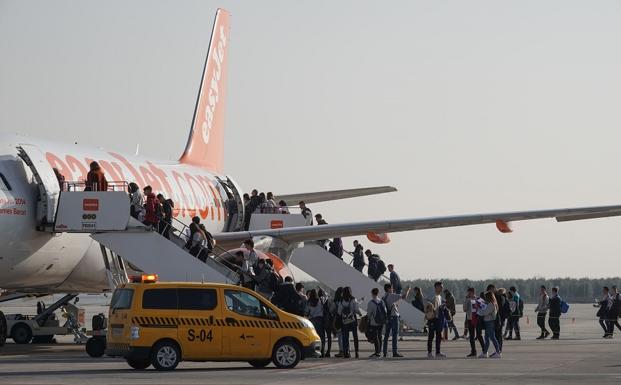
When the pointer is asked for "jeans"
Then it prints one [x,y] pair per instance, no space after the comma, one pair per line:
[515,324]
[320,329]
[435,330]
[392,326]
[606,325]
[376,333]
[451,325]
[475,334]
[490,334]
[541,322]
[498,332]
[350,327]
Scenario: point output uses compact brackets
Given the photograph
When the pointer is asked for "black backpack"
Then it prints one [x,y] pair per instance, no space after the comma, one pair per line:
[381,268]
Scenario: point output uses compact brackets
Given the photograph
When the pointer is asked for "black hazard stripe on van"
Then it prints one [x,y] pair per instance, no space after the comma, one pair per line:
[174,322]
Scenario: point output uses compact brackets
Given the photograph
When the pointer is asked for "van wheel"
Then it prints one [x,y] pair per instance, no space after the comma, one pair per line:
[286,354]
[260,363]
[95,347]
[165,355]
[21,333]
[139,365]
[2,329]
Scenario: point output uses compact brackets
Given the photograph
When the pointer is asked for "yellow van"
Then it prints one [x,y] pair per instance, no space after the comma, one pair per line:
[162,324]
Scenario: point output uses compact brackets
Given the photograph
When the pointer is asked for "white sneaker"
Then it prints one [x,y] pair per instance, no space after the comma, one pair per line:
[430,356]
[440,356]
[496,355]
[483,355]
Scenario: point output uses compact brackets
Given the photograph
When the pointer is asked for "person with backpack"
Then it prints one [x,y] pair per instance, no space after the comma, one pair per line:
[165,221]
[542,311]
[358,255]
[377,315]
[336,247]
[286,297]
[262,277]
[504,309]
[349,311]
[554,304]
[391,300]
[517,311]
[434,314]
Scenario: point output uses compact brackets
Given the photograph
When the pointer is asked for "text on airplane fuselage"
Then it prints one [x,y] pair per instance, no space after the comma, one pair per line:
[193,194]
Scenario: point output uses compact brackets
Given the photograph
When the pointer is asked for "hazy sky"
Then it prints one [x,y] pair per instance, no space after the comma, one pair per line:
[465,107]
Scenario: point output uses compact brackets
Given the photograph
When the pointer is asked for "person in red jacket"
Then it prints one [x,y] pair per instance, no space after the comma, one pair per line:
[150,207]
[96,179]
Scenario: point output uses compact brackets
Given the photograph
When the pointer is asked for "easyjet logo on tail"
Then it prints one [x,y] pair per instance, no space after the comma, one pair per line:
[213,96]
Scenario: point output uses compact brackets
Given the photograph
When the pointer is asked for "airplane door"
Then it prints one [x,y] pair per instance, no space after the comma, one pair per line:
[49,189]
[235,222]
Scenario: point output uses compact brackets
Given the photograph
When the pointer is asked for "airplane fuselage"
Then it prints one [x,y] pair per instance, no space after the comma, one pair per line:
[36,261]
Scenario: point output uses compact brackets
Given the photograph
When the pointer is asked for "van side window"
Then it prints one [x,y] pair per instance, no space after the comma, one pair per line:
[4,184]
[197,299]
[243,303]
[159,299]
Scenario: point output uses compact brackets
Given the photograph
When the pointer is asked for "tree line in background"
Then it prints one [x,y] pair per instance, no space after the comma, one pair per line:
[572,290]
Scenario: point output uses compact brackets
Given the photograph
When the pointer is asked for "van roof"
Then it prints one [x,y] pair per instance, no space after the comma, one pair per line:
[181,284]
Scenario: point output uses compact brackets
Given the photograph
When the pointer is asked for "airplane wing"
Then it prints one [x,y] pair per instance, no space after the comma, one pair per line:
[307,233]
[324,196]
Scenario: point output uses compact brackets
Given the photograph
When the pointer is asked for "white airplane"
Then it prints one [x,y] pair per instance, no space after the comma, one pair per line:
[35,260]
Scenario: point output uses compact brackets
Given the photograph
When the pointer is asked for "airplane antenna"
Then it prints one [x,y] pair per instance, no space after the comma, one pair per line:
[137,148]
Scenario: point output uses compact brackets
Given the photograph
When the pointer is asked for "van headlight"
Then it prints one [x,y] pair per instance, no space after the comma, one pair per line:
[307,323]
[135,333]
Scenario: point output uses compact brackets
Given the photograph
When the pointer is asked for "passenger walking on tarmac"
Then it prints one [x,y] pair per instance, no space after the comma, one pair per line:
[96,179]
[150,207]
[542,311]
[336,248]
[338,320]
[517,311]
[504,310]
[471,305]
[554,321]
[166,222]
[450,304]
[500,303]
[435,322]
[358,256]
[326,304]
[306,213]
[395,280]
[488,312]
[604,311]
[391,300]
[349,311]
[136,202]
[377,315]
[615,309]
[315,313]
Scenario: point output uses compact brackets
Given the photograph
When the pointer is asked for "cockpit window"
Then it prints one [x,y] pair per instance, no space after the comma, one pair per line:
[4,184]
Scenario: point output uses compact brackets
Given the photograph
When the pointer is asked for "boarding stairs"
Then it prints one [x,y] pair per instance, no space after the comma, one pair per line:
[333,272]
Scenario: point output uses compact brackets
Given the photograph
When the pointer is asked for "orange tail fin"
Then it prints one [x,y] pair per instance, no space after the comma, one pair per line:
[205,147]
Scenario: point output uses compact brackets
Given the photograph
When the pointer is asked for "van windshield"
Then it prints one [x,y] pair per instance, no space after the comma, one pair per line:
[122,299]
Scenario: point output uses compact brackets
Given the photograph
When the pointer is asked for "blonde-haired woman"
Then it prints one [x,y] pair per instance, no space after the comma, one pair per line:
[489,319]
